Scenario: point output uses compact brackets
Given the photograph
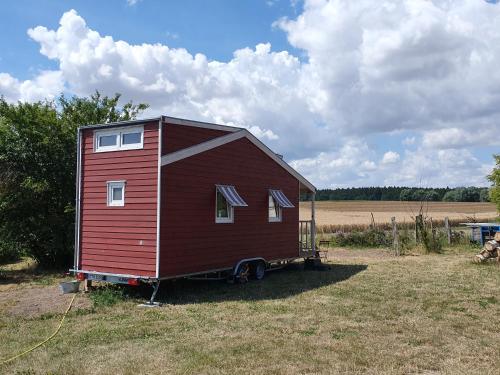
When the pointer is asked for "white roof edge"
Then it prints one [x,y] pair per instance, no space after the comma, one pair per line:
[219,141]
[199,124]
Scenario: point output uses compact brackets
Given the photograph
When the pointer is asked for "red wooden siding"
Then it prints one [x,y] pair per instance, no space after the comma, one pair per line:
[191,241]
[111,236]
[177,137]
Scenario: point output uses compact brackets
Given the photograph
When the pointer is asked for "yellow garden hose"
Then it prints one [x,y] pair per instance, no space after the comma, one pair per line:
[44,341]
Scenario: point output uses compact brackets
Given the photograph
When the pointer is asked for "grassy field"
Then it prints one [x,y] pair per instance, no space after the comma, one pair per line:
[359,212]
[368,313]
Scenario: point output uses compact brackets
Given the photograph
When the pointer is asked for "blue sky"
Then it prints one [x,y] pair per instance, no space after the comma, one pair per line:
[361,93]
[214,28]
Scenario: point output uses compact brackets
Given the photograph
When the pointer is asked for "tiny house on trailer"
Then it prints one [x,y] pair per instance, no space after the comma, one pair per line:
[166,198]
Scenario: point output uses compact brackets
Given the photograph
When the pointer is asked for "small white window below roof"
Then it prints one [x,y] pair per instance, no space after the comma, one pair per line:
[116,139]
[116,193]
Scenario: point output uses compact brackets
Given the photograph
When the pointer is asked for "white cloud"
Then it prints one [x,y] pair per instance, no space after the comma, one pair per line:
[424,68]
[46,85]
[408,141]
[390,157]
[351,165]
[460,138]
[258,88]
[401,64]
[439,168]
[131,3]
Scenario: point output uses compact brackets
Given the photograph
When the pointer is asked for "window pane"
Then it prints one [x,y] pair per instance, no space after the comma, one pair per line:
[222,206]
[273,208]
[131,138]
[117,193]
[107,140]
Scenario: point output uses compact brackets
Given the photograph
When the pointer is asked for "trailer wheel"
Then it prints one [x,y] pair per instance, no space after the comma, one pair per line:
[243,273]
[259,270]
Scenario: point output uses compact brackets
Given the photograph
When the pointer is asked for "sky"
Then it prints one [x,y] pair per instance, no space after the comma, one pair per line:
[352,93]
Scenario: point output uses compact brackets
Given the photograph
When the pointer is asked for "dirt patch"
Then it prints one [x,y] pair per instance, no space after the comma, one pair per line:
[36,301]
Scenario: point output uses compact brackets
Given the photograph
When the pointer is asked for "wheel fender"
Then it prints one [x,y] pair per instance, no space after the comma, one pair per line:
[248,260]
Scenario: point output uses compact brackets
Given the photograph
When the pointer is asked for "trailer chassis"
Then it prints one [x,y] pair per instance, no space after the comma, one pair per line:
[216,274]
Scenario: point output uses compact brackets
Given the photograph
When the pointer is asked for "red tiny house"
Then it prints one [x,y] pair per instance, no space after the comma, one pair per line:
[156,200]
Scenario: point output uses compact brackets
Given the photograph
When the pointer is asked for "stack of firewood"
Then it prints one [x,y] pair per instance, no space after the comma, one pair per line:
[490,250]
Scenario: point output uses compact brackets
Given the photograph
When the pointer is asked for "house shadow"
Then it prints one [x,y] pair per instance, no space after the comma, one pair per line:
[278,284]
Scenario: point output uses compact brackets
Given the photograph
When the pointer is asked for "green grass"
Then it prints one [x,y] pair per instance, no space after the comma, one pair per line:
[414,314]
[107,296]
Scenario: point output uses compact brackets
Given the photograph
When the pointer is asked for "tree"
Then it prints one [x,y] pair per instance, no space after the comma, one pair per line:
[484,195]
[431,196]
[494,177]
[405,195]
[37,171]
[450,196]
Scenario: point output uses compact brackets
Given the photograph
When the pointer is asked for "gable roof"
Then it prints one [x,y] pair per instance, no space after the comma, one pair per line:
[231,137]
[234,133]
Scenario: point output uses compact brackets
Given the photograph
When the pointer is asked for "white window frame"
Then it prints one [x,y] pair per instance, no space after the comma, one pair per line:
[118,132]
[110,185]
[224,220]
[279,218]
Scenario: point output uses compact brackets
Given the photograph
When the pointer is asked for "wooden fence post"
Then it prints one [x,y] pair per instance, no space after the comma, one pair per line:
[418,228]
[448,229]
[395,237]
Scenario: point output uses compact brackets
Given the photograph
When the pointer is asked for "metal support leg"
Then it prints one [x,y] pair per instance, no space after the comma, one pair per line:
[156,286]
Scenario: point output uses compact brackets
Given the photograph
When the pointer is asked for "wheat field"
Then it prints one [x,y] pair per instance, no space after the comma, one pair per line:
[359,212]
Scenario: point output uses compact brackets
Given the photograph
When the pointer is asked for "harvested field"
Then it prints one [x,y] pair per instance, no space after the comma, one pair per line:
[368,313]
[359,212]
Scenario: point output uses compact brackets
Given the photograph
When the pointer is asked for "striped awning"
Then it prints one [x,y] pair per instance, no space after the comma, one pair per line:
[281,199]
[231,195]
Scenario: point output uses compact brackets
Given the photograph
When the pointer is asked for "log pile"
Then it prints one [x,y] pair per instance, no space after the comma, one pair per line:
[490,250]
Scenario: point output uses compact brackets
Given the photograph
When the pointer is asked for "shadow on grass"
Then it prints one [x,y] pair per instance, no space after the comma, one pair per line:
[278,284]
[27,271]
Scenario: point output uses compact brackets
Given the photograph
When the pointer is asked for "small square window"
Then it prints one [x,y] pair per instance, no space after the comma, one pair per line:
[116,193]
[274,210]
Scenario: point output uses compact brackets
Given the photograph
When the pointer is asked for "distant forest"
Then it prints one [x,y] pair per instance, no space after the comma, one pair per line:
[402,193]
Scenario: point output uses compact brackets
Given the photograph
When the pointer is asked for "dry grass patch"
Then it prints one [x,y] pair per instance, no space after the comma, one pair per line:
[367,314]
[359,212]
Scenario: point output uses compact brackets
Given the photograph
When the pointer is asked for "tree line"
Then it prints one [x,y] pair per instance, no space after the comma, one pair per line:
[403,193]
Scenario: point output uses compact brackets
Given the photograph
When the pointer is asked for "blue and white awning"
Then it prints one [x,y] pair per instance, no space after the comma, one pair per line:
[281,199]
[231,195]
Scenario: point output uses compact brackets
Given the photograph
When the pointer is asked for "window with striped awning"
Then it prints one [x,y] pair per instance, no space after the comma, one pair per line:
[226,199]
[232,197]
[281,199]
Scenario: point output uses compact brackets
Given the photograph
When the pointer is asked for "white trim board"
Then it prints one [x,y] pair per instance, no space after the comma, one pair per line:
[158,198]
[199,124]
[219,141]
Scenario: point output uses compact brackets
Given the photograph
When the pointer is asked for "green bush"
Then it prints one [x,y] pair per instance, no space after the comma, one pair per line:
[372,237]
[494,178]
[8,254]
